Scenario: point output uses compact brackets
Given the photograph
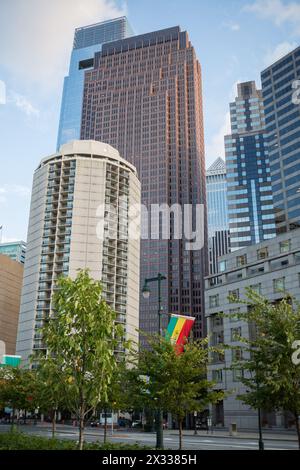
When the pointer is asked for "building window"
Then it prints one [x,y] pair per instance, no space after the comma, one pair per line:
[262,253]
[285,246]
[217,338]
[256,288]
[234,295]
[217,375]
[241,260]
[236,334]
[214,301]
[279,284]
[233,314]
[297,257]
[216,320]
[237,355]
[222,266]
[237,375]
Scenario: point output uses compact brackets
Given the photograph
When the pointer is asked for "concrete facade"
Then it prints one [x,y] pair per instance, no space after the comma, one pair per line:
[11,275]
[269,267]
[79,218]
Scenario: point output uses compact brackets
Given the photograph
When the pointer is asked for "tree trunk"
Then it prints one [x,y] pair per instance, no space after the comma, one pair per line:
[105,426]
[12,420]
[81,427]
[53,423]
[297,428]
[180,433]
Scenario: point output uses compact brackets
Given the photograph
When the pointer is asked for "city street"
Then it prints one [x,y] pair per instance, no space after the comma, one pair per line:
[202,441]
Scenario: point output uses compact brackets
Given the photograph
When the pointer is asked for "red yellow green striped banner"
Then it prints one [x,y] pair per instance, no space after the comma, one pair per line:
[178,330]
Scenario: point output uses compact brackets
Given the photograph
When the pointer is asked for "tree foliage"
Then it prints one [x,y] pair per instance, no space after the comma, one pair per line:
[270,375]
[177,383]
[81,338]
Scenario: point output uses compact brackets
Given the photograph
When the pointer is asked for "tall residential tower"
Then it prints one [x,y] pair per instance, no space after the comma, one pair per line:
[144,97]
[79,218]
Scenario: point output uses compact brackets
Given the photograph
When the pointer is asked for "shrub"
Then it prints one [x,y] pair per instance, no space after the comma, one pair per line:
[15,440]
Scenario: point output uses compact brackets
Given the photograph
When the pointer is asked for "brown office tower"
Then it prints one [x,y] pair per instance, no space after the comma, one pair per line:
[144,98]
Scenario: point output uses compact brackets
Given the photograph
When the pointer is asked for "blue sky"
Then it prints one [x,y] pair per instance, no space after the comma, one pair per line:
[234,40]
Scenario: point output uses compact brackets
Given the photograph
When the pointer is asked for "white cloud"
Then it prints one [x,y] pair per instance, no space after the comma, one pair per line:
[36,35]
[13,190]
[215,148]
[280,50]
[232,26]
[278,11]
[23,104]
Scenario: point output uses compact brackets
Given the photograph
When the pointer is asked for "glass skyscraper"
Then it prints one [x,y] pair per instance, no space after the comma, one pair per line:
[249,190]
[87,41]
[279,85]
[217,215]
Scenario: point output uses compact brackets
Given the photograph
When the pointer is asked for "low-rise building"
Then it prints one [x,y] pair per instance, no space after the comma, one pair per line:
[11,276]
[272,268]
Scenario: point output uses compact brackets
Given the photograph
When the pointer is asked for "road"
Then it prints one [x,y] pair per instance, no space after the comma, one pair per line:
[190,441]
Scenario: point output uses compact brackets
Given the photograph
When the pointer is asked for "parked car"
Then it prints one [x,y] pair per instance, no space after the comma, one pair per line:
[95,424]
[124,422]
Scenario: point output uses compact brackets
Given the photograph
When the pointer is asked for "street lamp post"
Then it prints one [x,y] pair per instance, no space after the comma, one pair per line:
[146,294]
[260,441]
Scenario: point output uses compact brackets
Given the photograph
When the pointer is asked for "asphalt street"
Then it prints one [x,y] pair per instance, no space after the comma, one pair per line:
[190,441]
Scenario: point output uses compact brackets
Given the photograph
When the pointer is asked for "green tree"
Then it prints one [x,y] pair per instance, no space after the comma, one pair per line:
[165,380]
[271,377]
[51,385]
[18,390]
[82,336]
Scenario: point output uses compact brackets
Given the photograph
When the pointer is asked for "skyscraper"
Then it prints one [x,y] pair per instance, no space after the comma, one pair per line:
[282,110]
[144,97]
[249,191]
[87,41]
[79,218]
[217,216]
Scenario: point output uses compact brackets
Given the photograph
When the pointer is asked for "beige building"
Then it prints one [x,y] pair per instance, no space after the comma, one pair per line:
[11,275]
[80,217]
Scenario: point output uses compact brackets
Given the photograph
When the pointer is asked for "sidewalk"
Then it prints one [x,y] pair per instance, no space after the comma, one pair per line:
[280,435]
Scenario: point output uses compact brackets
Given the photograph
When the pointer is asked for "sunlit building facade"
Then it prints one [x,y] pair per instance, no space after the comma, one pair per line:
[144,97]
[79,218]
